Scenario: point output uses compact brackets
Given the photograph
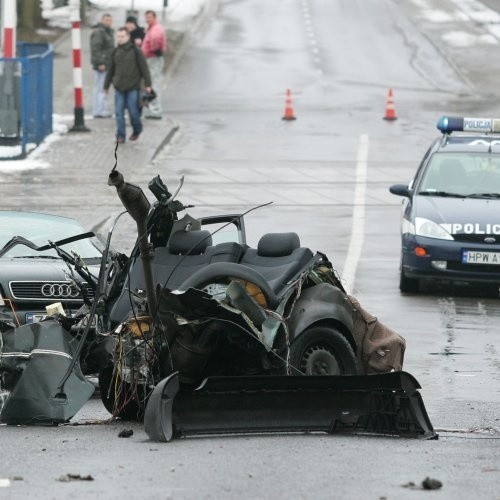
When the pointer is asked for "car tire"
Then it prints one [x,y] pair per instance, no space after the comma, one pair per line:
[408,285]
[321,350]
[126,408]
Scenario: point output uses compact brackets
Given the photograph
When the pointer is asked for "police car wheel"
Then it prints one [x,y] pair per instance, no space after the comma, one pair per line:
[408,285]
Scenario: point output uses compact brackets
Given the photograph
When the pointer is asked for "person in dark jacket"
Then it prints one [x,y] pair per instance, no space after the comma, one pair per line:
[102,44]
[137,33]
[127,69]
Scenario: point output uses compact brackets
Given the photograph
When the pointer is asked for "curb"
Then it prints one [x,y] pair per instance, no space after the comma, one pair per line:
[164,142]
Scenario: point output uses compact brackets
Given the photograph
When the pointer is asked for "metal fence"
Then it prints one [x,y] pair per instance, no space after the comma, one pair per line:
[26,97]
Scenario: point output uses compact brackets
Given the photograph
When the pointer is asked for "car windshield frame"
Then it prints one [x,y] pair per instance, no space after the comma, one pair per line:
[39,229]
[461,174]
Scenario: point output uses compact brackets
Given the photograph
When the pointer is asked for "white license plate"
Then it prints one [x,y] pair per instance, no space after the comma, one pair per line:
[477,257]
[33,317]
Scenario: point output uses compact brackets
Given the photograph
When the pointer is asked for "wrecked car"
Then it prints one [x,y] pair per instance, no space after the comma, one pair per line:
[198,332]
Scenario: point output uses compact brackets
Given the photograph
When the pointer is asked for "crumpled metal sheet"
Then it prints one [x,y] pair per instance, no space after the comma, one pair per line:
[33,360]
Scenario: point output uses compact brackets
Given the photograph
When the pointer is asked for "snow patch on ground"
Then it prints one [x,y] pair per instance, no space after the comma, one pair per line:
[57,18]
[421,4]
[477,11]
[31,162]
[179,10]
[474,14]
[440,16]
[463,39]
[130,4]
[7,166]
[494,29]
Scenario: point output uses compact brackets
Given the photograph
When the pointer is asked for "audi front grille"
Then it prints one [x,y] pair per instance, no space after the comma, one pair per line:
[50,291]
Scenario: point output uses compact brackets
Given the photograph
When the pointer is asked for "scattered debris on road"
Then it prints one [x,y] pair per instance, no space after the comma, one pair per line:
[126,433]
[427,484]
[431,484]
[75,477]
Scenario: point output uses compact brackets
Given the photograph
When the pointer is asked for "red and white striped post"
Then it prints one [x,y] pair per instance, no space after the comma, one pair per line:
[9,28]
[76,38]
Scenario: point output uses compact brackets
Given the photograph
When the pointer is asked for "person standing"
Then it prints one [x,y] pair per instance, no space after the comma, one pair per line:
[154,47]
[137,32]
[101,45]
[127,69]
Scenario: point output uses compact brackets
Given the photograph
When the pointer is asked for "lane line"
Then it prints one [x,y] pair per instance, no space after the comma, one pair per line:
[358,216]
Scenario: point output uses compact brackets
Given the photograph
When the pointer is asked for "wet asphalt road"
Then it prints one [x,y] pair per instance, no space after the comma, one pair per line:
[338,59]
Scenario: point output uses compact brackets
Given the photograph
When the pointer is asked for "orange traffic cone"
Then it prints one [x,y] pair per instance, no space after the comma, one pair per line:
[390,112]
[288,107]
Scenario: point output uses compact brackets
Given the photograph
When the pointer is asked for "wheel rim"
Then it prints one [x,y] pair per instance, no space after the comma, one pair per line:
[319,360]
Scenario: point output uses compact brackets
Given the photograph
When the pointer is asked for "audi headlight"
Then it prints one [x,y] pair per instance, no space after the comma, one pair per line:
[429,229]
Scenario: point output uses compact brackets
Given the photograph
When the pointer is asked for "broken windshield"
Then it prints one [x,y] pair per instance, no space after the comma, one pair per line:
[39,229]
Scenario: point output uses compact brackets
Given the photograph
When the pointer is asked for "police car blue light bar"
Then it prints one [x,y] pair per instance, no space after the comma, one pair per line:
[449,124]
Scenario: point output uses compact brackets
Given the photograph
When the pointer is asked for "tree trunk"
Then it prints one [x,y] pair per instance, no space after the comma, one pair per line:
[29,15]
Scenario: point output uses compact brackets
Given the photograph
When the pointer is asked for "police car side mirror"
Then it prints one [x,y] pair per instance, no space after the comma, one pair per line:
[400,190]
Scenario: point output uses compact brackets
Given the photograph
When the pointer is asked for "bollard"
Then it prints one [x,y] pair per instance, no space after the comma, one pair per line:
[76,38]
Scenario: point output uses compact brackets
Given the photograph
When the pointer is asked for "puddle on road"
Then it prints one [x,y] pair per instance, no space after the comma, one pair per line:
[469,331]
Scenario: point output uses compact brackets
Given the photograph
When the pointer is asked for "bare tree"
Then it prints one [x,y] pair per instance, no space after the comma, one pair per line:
[29,16]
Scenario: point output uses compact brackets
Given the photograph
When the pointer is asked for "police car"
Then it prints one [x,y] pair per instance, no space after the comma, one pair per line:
[451,215]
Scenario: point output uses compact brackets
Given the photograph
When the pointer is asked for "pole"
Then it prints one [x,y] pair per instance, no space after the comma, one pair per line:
[76,39]
[9,28]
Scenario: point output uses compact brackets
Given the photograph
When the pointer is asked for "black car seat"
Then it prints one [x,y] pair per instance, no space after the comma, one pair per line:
[278,258]
[186,253]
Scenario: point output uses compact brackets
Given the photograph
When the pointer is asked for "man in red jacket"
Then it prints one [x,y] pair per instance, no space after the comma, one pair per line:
[154,47]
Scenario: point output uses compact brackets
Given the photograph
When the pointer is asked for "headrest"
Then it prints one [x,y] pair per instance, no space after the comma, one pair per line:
[189,242]
[278,244]
[451,169]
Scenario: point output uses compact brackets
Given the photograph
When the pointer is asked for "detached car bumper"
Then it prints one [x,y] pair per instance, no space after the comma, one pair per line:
[443,260]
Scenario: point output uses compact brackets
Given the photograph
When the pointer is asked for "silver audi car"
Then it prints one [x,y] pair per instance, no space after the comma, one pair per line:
[30,278]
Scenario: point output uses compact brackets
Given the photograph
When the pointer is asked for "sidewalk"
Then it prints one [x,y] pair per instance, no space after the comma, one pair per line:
[97,146]
[68,174]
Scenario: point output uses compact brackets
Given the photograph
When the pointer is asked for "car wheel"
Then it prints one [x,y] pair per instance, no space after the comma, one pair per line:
[124,404]
[408,285]
[323,351]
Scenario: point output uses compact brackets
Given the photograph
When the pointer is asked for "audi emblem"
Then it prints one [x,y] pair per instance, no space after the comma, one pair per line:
[489,239]
[59,290]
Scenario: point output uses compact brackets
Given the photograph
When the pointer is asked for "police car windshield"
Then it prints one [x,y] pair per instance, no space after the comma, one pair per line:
[462,174]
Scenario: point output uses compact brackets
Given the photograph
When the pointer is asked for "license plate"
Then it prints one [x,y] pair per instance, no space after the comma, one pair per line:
[477,257]
[33,317]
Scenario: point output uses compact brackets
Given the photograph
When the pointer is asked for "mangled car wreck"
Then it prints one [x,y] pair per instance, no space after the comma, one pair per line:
[198,333]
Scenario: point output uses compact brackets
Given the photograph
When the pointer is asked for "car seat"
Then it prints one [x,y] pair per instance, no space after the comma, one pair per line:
[278,258]
[451,174]
[185,253]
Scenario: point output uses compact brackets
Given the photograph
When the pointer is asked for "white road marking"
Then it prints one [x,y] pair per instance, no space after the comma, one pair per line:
[358,216]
